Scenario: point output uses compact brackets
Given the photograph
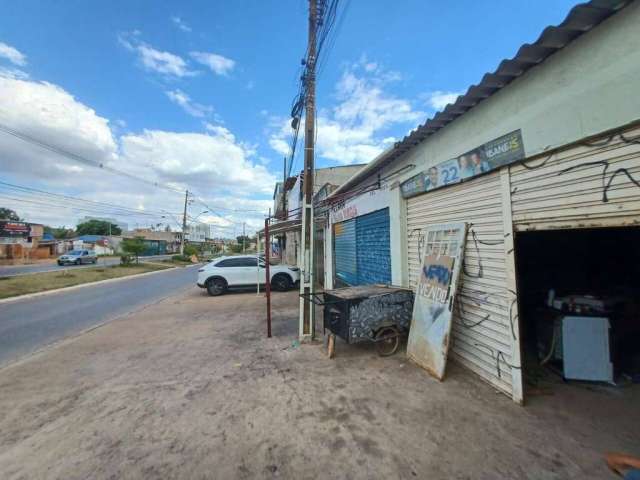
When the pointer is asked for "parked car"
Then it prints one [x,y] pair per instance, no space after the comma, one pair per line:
[242,271]
[77,257]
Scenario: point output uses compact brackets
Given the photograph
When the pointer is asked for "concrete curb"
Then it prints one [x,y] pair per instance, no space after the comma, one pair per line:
[83,285]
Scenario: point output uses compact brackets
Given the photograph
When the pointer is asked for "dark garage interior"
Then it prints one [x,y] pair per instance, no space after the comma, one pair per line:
[579,306]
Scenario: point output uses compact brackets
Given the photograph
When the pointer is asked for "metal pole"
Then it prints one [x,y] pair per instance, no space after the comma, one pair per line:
[258,264]
[243,238]
[184,222]
[267,280]
[306,327]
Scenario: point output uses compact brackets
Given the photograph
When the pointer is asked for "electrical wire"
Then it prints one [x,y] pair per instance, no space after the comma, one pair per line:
[80,159]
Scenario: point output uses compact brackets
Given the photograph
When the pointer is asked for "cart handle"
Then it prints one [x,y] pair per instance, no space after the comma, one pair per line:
[317,299]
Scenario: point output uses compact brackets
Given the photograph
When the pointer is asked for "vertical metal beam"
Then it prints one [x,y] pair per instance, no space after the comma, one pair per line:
[512,286]
[267,284]
[184,222]
[306,326]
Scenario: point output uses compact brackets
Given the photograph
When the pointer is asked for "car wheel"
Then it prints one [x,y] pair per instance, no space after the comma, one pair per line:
[281,282]
[216,286]
[77,262]
[60,263]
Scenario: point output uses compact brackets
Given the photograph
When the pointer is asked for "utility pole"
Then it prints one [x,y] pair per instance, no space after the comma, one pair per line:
[184,222]
[244,241]
[307,314]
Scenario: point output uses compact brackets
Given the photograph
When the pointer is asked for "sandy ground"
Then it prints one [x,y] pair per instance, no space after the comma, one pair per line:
[191,388]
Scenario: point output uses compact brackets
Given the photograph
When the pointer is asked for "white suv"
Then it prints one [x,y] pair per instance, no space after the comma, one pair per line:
[243,271]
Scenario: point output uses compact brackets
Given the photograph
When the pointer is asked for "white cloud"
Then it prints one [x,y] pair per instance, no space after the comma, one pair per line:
[181,24]
[440,99]
[165,63]
[194,109]
[217,63]
[12,54]
[215,164]
[47,112]
[14,73]
[357,128]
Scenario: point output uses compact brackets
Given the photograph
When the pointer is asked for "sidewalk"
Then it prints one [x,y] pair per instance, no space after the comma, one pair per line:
[191,388]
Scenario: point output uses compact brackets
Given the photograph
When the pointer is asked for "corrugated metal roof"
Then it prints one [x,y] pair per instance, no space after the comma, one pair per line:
[582,18]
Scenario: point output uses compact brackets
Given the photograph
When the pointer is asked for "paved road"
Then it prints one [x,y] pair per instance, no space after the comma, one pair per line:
[14,270]
[27,325]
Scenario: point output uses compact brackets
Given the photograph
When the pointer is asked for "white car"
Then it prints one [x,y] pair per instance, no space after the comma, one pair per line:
[243,271]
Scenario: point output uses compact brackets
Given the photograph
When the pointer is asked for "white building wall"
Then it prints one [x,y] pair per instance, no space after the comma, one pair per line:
[588,87]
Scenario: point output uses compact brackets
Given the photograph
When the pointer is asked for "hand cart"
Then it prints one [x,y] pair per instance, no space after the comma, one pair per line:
[377,313]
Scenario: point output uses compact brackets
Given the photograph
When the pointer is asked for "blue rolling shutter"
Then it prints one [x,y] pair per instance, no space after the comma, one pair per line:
[344,248]
[373,252]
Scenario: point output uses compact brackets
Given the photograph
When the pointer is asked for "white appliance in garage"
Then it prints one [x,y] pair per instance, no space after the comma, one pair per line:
[586,348]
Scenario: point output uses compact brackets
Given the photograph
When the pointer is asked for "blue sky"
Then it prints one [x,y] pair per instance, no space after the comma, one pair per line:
[185,92]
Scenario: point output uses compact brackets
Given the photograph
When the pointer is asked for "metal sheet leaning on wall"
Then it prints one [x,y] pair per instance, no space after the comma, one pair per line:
[482,331]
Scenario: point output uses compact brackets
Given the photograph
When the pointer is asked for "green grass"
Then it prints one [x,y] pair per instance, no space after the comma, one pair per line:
[40,282]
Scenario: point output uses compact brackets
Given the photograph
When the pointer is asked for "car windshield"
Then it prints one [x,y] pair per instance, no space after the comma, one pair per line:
[75,252]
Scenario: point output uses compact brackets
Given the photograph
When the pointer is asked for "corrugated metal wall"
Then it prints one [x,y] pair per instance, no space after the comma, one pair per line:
[569,189]
[344,252]
[482,333]
[373,252]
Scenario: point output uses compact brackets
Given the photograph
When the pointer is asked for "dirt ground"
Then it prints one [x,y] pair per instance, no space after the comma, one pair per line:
[192,388]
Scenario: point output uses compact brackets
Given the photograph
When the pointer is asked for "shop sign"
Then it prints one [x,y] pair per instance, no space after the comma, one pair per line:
[14,229]
[490,156]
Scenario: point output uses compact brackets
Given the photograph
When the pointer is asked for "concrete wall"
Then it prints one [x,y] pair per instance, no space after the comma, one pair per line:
[588,87]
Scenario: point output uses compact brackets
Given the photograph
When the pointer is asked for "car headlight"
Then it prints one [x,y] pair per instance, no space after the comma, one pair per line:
[201,270]
[294,269]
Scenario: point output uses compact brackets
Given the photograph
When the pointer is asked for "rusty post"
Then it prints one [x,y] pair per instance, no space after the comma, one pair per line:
[267,284]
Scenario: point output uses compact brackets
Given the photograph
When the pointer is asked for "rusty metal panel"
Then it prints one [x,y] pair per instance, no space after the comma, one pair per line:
[482,328]
[594,184]
[436,292]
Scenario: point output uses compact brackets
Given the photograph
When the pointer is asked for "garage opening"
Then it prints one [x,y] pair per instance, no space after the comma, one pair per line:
[579,304]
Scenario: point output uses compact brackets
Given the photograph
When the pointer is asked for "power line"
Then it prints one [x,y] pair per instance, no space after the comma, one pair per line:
[78,158]
[21,189]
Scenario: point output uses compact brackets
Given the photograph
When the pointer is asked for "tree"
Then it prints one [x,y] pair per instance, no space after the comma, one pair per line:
[8,214]
[133,246]
[98,227]
[246,238]
[190,250]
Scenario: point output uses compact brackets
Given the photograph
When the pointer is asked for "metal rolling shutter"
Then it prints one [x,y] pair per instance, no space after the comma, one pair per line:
[373,252]
[481,329]
[344,247]
[567,190]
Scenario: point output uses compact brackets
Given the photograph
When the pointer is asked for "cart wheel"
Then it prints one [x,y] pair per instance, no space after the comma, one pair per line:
[387,341]
[331,346]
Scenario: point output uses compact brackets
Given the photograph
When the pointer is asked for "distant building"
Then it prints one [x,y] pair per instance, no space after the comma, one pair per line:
[22,242]
[287,202]
[197,233]
[172,239]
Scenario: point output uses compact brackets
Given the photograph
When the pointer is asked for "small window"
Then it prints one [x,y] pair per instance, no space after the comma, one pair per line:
[84,253]
[237,262]
[248,262]
[224,263]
